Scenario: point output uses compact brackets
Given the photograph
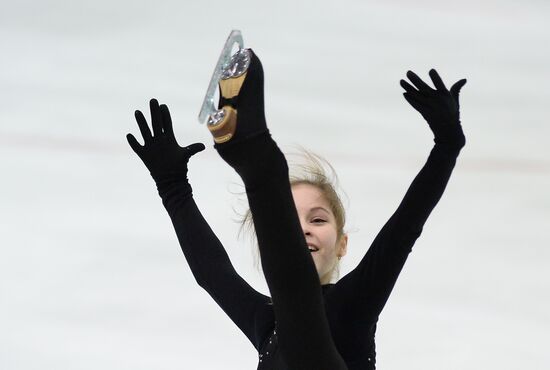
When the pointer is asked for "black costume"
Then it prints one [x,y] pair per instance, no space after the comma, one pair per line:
[352,304]
[302,325]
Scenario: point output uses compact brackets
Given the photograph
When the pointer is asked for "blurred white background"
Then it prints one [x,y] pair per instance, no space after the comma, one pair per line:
[91,274]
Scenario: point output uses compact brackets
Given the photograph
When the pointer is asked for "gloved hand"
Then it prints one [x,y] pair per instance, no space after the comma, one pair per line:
[439,106]
[161,153]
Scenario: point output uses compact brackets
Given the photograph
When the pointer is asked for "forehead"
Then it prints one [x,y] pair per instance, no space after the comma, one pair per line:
[309,196]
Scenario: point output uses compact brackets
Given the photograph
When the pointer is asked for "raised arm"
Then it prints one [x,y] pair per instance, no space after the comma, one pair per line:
[440,109]
[207,258]
[374,278]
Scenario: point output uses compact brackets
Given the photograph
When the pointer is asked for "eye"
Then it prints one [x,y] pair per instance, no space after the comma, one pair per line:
[318,220]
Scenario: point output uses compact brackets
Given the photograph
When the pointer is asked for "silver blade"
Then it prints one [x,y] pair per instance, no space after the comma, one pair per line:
[208,107]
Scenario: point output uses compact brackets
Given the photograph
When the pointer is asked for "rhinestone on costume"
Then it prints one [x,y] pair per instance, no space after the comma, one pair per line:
[216,117]
[238,65]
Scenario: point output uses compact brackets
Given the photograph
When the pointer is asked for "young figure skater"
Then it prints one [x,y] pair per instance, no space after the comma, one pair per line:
[303,325]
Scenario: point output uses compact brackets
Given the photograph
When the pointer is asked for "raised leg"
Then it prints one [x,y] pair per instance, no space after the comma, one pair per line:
[304,336]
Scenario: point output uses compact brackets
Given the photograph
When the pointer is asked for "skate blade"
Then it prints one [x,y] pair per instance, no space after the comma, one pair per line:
[223,68]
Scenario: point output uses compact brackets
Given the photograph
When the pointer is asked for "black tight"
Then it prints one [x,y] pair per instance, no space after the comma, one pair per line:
[305,341]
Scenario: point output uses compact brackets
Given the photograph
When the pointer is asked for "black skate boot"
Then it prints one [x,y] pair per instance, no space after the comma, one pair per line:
[241,107]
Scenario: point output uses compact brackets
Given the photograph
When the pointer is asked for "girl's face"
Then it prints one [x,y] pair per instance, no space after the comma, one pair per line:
[320,229]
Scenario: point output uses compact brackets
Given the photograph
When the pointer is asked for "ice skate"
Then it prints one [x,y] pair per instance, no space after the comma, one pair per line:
[240,82]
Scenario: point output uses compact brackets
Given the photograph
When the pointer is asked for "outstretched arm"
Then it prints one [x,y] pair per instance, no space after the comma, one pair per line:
[207,258]
[377,273]
[440,109]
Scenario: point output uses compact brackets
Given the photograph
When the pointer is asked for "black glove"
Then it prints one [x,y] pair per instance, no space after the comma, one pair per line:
[439,107]
[162,155]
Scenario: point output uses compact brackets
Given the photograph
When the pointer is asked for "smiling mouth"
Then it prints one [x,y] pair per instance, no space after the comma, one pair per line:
[312,249]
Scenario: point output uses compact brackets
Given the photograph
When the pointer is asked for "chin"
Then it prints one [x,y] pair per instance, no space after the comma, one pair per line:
[316,264]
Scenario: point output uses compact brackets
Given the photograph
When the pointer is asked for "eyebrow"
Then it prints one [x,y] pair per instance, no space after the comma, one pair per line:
[319,208]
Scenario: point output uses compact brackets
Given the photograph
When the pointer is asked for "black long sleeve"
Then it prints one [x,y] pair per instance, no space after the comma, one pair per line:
[363,292]
[209,261]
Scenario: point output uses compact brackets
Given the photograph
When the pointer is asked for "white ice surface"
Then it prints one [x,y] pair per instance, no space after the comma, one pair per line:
[91,275]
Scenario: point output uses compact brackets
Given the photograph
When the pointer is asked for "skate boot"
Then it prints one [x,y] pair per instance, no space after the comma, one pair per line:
[240,112]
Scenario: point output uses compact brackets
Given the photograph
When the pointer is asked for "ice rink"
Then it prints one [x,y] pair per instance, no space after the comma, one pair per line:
[91,273]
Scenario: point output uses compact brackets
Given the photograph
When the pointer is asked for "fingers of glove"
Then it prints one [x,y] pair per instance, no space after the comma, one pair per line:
[136,147]
[438,82]
[407,86]
[455,89]
[166,121]
[419,98]
[156,117]
[143,127]
[194,148]
[417,81]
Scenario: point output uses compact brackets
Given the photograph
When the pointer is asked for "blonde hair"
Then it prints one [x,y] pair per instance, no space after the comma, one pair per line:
[306,167]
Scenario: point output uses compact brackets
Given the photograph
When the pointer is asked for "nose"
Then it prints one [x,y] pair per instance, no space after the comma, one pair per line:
[305,228]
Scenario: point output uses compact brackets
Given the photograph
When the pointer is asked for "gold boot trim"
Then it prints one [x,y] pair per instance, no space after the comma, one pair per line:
[224,130]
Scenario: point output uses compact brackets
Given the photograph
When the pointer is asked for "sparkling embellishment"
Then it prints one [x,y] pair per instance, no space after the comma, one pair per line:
[216,117]
[270,345]
[238,65]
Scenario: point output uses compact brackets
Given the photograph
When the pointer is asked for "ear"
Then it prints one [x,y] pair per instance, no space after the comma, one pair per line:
[342,246]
